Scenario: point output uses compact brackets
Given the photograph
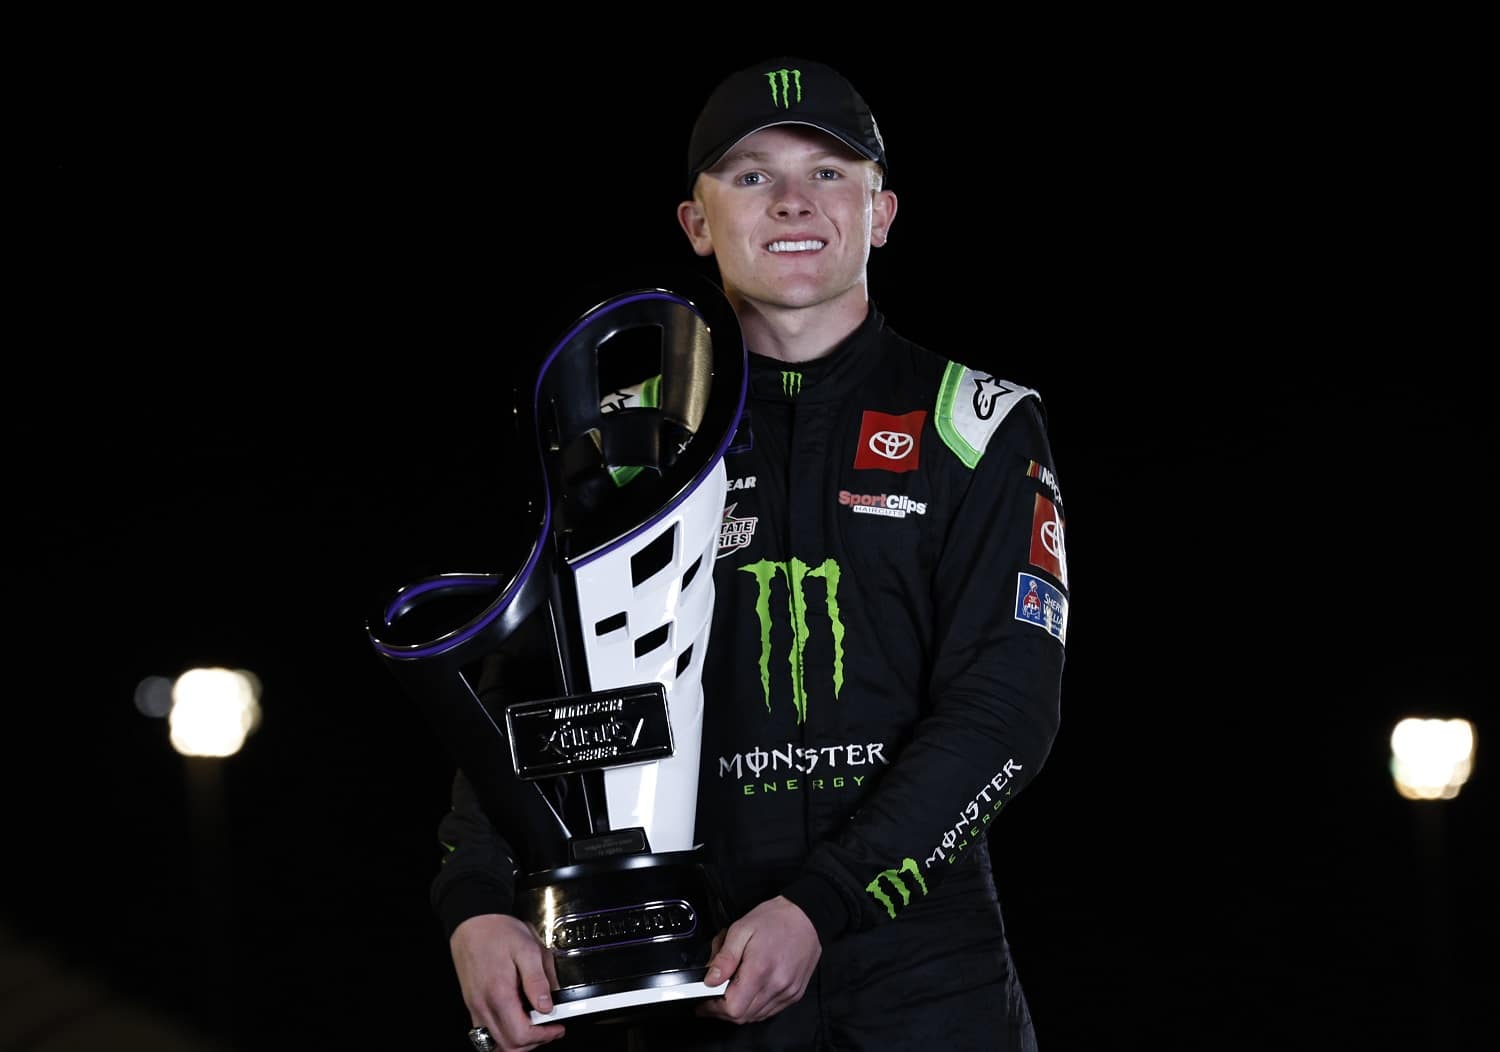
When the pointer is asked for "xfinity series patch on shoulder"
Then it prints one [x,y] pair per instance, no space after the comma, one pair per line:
[1038,603]
[1035,469]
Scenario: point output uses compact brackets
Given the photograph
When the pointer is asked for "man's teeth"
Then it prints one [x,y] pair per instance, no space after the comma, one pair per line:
[795,246]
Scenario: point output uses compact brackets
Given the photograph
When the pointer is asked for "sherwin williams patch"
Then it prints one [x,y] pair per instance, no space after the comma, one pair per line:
[1042,605]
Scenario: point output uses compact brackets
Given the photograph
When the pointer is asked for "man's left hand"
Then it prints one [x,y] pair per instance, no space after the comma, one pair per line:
[768,956]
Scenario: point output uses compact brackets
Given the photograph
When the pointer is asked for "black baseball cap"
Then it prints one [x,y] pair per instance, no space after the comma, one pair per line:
[782,91]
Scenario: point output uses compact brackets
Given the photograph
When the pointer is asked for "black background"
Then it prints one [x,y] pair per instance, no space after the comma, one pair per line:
[277,276]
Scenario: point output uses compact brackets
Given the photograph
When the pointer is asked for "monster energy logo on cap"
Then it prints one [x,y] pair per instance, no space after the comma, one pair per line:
[787,78]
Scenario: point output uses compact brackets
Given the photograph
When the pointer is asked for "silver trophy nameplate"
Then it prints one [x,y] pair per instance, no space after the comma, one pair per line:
[588,732]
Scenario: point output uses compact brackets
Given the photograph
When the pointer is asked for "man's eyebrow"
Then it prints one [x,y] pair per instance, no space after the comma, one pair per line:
[736,156]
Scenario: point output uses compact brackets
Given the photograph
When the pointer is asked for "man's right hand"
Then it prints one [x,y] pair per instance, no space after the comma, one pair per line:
[502,967]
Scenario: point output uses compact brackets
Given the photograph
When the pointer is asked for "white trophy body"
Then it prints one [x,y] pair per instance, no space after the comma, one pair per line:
[661,795]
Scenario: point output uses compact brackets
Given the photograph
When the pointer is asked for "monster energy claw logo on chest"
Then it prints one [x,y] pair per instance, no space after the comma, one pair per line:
[795,574]
[785,79]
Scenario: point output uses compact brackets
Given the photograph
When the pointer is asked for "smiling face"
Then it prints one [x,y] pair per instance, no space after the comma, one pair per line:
[790,215]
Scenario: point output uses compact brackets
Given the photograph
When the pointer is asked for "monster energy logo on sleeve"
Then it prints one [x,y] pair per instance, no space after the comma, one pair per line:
[795,575]
[791,383]
[893,876]
[784,78]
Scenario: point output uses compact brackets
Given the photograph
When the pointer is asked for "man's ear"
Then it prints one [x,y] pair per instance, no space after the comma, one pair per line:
[883,214]
[694,223]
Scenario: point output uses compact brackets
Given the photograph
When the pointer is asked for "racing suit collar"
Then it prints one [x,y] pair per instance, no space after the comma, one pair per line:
[823,378]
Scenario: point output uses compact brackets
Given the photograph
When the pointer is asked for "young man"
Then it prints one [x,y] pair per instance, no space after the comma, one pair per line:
[887,647]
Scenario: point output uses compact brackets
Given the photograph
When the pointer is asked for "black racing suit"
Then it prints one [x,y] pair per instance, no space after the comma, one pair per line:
[883,676]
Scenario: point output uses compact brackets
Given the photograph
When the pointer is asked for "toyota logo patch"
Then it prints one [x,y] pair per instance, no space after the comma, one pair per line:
[889,441]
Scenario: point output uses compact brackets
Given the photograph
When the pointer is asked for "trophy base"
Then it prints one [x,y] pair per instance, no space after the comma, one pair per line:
[628,1002]
[629,935]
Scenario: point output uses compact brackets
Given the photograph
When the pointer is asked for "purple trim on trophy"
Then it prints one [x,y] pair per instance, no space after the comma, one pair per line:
[589,319]
[407,595]
[477,626]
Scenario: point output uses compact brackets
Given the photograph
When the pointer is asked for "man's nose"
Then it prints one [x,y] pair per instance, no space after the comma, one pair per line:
[792,201]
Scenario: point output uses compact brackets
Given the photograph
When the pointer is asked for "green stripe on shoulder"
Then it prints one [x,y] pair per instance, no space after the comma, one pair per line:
[970,407]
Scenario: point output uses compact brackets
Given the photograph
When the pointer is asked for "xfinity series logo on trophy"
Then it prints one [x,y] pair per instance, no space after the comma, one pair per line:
[550,736]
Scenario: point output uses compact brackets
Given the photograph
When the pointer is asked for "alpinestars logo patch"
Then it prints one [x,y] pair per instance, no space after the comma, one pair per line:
[987,391]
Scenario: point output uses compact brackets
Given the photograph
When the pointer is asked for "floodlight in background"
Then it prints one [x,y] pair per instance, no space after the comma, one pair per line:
[1430,761]
[1431,758]
[213,710]
[209,711]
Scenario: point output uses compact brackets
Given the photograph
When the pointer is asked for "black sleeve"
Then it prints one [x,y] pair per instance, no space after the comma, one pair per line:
[477,873]
[992,709]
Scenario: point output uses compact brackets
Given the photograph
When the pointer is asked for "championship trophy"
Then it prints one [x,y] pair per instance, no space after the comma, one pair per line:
[591,776]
